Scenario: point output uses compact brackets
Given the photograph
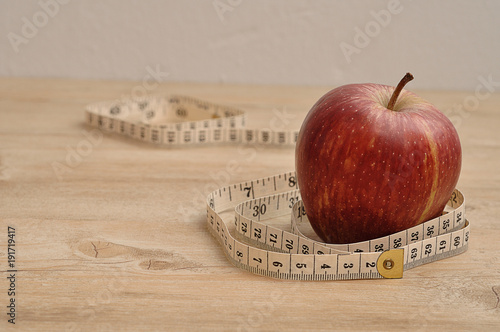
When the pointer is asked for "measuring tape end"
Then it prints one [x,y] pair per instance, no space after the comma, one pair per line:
[390,264]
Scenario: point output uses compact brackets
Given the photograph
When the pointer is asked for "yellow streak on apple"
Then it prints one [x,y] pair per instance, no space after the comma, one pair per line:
[430,201]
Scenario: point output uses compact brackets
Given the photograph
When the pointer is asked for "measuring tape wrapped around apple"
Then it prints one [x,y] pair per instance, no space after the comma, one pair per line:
[376,166]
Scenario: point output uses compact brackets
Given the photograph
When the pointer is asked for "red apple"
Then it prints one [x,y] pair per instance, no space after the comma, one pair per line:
[372,160]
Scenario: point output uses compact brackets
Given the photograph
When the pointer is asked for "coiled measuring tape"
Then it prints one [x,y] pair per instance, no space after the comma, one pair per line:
[255,245]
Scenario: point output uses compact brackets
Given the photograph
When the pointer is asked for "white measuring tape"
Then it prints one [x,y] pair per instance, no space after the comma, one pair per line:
[254,244]
[180,120]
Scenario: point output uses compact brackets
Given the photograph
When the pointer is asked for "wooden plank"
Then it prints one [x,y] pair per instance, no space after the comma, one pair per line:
[114,237]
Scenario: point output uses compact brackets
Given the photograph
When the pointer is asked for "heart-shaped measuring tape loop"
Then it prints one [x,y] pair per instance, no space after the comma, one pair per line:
[255,245]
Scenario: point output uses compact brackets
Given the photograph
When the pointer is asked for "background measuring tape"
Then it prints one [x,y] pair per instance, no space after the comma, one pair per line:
[254,245]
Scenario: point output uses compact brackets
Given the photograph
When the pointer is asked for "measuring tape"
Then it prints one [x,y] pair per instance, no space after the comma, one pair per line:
[180,120]
[254,243]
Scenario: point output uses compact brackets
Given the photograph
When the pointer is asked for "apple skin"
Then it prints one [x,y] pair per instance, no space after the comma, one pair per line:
[365,171]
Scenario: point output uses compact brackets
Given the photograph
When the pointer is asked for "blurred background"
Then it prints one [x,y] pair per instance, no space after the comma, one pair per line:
[448,44]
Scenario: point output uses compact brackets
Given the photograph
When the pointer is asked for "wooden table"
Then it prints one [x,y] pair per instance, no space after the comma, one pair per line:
[114,237]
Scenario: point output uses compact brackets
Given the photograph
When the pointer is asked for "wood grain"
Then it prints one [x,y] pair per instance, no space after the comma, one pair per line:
[117,239]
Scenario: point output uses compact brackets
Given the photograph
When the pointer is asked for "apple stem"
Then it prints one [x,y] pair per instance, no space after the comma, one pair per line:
[407,78]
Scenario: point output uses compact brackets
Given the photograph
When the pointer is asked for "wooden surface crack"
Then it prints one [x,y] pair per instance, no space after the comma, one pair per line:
[95,249]
[498,297]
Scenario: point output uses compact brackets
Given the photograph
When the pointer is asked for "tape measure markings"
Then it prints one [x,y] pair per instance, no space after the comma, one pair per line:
[303,258]
[150,120]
